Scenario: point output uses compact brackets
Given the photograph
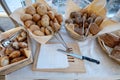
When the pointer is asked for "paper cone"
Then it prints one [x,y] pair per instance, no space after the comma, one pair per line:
[97,7]
[16,16]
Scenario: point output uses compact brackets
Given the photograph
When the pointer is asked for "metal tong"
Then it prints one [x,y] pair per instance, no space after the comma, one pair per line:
[7,42]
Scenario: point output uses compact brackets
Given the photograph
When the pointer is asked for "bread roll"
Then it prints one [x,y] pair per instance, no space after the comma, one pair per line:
[45,20]
[25,17]
[23,44]
[34,27]
[4,61]
[94,29]
[38,33]
[110,40]
[35,5]
[14,54]
[28,23]
[41,9]
[42,29]
[17,59]
[15,45]
[36,17]
[57,26]
[51,14]
[30,10]
[47,31]
[39,23]
[8,50]
[78,30]
[116,51]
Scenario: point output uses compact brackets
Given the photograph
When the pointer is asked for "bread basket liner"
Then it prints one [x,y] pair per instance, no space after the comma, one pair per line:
[107,49]
[28,52]
[97,7]
[16,16]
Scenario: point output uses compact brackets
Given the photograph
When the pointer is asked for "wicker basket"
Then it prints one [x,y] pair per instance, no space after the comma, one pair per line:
[108,52]
[74,35]
[17,65]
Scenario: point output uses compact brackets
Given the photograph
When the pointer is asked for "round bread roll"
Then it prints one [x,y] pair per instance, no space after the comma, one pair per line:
[36,17]
[42,29]
[57,26]
[51,14]
[8,50]
[38,33]
[4,61]
[47,31]
[30,10]
[22,36]
[15,45]
[39,23]
[14,54]
[23,44]
[17,59]
[55,20]
[42,9]
[45,20]
[28,23]
[35,5]
[34,27]
[59,18]
[26,17]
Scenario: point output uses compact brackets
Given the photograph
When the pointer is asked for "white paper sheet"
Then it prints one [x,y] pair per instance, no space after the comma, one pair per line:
[50,58]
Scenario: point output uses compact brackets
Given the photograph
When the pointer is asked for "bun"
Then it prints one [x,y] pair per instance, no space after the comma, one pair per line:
[30,10]
[26,17]
[45,20]
[38,33]
[17,59]
[34,27]
[110,40]
[94,29]
[28,23]
[41,9]
[4,61]
[14,54]
[36,17]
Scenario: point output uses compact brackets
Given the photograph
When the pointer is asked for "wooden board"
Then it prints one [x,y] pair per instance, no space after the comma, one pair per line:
[75,65]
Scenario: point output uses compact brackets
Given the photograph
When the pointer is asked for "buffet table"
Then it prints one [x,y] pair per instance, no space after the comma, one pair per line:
[106,70]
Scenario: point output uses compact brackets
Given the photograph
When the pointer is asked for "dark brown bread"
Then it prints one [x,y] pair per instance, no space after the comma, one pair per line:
[110,40]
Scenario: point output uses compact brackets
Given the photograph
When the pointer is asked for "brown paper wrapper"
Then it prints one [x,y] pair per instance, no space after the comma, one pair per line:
[28,53]
[16,16]
[107,49]
[97,7]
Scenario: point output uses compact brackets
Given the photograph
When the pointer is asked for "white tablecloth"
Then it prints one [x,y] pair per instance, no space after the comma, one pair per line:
[106,70]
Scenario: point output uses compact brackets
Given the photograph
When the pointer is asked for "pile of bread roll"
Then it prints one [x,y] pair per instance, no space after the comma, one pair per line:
[16,51]
[113,41]
[41,19]
[84,22]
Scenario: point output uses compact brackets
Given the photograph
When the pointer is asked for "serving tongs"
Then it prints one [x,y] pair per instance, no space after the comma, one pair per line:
[69,50]
[6,42]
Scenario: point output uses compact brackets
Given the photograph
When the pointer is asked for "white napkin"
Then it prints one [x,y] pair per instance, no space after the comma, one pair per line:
[50,58]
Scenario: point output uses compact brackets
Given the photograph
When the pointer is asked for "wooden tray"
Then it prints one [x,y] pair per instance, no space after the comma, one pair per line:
[75,65]
[17,65]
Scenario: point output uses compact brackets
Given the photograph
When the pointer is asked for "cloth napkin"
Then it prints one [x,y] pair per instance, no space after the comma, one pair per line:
[50,58]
